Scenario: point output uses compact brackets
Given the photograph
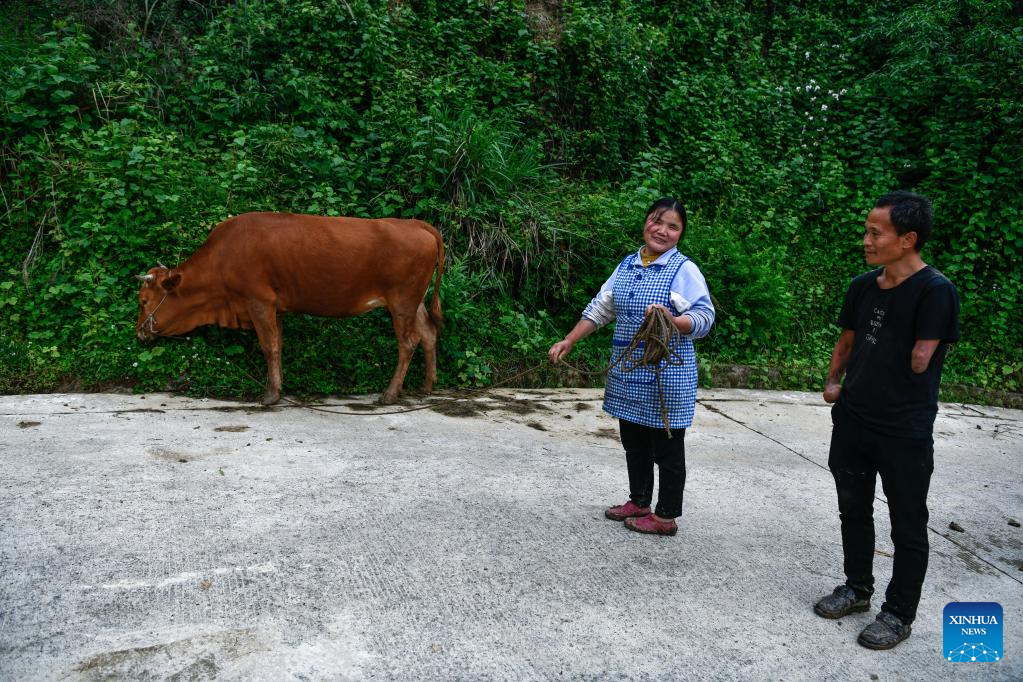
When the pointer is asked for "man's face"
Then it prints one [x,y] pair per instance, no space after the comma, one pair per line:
[882,245]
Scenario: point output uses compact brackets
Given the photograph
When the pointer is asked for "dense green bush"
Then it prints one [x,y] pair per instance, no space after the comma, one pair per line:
[533,134]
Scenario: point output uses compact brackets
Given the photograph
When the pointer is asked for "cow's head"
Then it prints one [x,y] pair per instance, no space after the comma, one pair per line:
[157,303]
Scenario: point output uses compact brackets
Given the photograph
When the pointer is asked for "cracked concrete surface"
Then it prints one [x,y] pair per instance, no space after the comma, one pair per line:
[155,536]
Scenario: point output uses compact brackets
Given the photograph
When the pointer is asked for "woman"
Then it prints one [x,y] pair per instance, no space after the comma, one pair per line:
[656,276]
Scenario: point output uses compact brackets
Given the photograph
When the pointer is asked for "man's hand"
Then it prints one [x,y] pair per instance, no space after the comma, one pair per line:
[839,361]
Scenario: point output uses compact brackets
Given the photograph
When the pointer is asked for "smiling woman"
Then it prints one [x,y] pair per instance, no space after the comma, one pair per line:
[664,226]
[656,278]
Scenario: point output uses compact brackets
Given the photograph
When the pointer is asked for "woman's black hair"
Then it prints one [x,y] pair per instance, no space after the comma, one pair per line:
[669,204]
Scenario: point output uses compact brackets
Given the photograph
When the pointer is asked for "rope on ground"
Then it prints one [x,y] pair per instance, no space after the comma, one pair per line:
[657,335]
[433,404]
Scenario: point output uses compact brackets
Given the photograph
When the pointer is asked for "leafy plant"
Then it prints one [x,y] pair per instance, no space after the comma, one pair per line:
[534,135]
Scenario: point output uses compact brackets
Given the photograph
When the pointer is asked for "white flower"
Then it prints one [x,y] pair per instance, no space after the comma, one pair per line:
[134,364]
[811,118]
[806,55]
[816,88]
[835,95]
[842,91]
[824,107]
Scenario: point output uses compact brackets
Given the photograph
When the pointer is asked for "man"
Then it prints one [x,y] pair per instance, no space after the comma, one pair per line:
[897,322]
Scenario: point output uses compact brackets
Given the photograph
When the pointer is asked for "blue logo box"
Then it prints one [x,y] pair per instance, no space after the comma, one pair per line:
[973,632]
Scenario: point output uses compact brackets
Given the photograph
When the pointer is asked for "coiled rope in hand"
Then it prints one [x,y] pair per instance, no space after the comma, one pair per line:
[660,340]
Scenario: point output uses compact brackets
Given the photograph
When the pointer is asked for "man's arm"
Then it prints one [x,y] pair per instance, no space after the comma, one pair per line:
[923,351]
[839,361]
[937,321]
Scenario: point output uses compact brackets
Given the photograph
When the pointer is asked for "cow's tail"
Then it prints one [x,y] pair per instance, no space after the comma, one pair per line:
[435,312]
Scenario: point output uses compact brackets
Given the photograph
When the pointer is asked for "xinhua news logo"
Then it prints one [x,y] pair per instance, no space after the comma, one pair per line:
[973,632]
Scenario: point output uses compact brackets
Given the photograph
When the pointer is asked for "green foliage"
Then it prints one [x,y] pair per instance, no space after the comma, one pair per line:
[534,135]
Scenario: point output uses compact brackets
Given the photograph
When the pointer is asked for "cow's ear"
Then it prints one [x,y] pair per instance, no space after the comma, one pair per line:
[171,282]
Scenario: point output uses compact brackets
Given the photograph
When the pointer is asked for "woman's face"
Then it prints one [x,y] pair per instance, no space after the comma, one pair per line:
[661,232]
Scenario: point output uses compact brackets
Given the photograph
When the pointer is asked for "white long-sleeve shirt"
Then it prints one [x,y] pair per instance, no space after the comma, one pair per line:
[689,295]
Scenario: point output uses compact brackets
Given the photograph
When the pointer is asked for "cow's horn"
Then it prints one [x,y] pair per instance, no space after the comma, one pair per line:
[161,265]
[145,278]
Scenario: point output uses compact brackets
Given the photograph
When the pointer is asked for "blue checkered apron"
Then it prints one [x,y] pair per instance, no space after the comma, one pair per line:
[633,395]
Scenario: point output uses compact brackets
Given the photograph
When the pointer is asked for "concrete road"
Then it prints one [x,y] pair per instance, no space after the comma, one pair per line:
[155,536]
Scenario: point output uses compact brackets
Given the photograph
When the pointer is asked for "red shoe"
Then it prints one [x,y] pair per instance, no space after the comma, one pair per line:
[650,524]
[625,511]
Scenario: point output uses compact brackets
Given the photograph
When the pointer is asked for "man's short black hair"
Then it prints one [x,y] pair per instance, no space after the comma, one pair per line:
[909,213]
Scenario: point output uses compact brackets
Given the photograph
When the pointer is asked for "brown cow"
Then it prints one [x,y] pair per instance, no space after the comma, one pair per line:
[257,265]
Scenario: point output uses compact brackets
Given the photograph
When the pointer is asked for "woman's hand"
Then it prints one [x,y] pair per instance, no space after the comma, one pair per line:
[560,350]
[650,308]
[683,323]
[831,392]
[581,330]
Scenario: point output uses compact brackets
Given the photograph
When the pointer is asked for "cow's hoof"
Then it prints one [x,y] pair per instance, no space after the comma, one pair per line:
[387,399]
[271,399]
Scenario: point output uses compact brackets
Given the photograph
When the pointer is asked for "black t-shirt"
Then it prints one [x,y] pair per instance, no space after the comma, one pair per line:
[880,388]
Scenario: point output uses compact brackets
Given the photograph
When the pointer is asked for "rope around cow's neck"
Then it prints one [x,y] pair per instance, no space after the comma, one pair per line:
[150,322]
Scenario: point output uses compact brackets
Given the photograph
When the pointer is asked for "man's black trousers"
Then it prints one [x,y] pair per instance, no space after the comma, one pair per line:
[857,456]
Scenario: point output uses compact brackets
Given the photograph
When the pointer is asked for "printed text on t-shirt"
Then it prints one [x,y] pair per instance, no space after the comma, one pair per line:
[875,325]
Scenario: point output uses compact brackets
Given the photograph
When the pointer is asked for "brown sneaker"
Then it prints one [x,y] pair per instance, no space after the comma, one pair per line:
[625,511]
[651,524]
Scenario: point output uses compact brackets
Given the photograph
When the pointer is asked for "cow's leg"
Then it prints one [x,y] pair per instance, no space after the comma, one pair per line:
[428,336]
[407,332]
[268,329]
